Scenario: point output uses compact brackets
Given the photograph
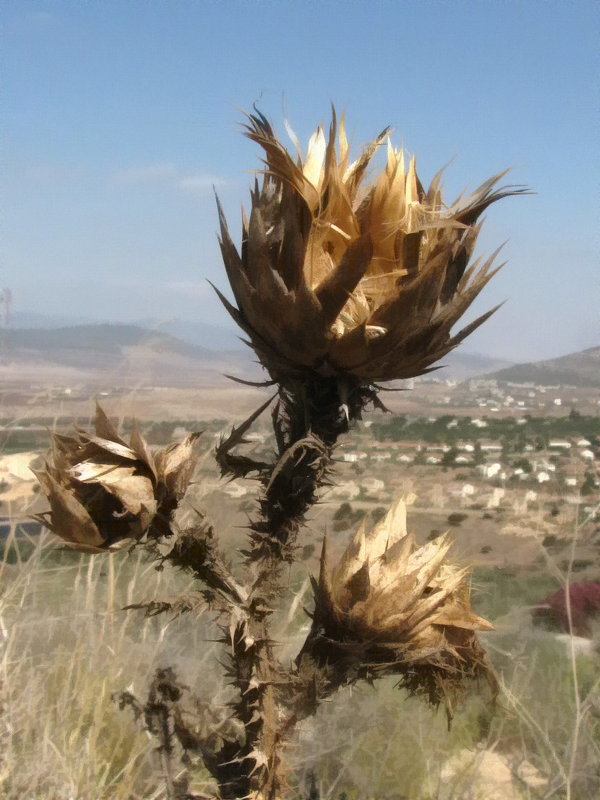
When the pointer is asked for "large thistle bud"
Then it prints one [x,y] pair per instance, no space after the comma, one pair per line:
[103,491]
[343,277]
[391,607]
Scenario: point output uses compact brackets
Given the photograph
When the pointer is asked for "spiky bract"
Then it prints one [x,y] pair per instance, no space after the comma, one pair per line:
[103,491]
[391,607]
[345,277]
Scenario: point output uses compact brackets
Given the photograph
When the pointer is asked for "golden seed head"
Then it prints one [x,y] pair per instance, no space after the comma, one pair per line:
[390,607]
[385,588]
[337,274]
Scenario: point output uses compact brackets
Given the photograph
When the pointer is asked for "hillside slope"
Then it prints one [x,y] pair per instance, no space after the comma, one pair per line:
[121,353]
[574,369]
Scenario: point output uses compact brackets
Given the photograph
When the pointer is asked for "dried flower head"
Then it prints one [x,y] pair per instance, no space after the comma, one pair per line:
[391,607]
[103,491]
[347,278]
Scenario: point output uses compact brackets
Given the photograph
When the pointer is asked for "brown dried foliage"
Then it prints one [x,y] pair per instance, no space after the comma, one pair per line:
[103,491]
[391,608]
[348,278]
[339,284]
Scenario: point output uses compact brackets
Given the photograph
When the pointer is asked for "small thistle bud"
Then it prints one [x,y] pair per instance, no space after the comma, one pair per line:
[103,491]
[391,607]
[341,277]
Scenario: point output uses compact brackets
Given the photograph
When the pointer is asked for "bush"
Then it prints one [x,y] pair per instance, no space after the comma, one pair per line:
[344,511]
[346,517]
[584,602]
[524,464]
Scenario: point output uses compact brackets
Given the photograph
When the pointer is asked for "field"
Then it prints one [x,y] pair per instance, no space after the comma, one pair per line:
[67,647]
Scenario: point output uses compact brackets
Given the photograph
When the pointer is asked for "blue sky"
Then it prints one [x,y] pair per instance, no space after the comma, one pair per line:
[120,116]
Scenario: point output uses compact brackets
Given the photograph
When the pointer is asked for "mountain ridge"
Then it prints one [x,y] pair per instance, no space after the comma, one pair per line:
[574,369]
[161,356]
[116,353]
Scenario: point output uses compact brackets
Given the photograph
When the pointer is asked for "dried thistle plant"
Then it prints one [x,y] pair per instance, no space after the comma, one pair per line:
[391,608]
[341,277]
[103,491]
[340,284]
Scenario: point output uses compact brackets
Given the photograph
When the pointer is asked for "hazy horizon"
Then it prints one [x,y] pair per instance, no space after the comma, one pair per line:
[222,335]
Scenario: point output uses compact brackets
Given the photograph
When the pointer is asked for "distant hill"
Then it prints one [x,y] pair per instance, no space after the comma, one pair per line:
[134,352]
[121,353]
[73,341]
[575,369]
[458,365]
[213,337]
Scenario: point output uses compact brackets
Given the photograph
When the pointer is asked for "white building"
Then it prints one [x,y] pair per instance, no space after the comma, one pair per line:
[372,484]
[381,456]
[489,470]
[495,498]
[353,457]
[544,466]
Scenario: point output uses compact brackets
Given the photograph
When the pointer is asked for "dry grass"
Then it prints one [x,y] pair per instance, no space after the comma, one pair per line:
[66,647]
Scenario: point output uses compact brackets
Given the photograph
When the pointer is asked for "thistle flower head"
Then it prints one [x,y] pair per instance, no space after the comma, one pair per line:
[342,276]
[391,607]
[102,490]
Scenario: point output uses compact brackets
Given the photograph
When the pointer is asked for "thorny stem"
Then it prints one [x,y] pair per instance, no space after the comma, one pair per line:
[196,549]
[290,487]
[310,414]
[308,418]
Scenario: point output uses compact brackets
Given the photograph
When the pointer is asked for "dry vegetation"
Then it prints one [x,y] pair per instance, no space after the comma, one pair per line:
[178,661]
[68,647]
